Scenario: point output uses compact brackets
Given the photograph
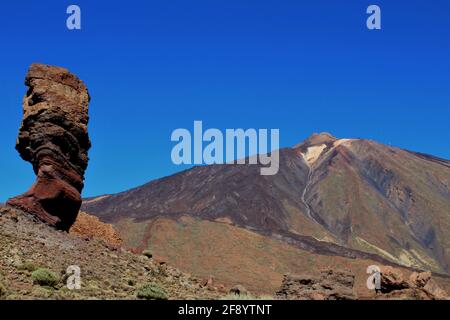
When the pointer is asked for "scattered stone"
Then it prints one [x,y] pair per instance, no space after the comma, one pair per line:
[432,288]
[420,286]
[209,282]
[221,288]
[239,290]
[419,279]
[329,285]
[90,227]
[147,253]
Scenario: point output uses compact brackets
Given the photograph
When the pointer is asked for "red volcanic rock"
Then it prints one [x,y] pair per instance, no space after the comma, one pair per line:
[420,286]
[88,226]
[329,285]
[53,137]
[392,279]
[420,279]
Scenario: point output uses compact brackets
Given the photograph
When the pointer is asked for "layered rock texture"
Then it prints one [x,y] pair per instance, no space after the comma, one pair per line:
[54,138]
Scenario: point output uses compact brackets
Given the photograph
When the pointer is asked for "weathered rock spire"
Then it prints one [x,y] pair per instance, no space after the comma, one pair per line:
[54,138]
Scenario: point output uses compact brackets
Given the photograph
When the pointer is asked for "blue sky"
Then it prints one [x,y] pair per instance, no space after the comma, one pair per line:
[300,66]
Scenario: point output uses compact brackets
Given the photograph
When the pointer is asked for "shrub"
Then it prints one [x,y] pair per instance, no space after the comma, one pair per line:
[45,277]
[28,266]
[151,292]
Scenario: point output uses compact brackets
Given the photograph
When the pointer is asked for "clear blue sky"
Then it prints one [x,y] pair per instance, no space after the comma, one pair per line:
[301,66]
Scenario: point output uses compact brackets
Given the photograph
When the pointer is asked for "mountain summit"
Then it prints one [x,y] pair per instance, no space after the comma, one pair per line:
[317,139]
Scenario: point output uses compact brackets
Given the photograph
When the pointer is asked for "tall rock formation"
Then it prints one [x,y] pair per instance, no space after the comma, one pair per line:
[54,138]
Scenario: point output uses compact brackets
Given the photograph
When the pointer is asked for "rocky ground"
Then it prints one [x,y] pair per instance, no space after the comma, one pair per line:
[107,272]
[34,258]
[91,227]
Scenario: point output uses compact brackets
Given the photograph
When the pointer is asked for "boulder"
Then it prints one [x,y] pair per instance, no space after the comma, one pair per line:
[328,285]
[419,279]
[420,286]
[208,282]
[54,138]
[392,279]
[432,288]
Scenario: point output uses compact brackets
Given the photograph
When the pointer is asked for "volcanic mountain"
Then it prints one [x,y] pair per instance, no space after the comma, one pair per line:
[334,202]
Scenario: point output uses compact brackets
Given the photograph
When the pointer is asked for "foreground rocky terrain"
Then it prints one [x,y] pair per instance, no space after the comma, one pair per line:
[107,272]
[35,259]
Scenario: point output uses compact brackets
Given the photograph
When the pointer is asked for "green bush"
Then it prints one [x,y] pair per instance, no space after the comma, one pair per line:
[45,277]
[151,292]
[28,266]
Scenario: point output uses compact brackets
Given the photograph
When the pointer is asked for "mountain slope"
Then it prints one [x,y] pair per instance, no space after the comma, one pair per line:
[345,197]
[106,272]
